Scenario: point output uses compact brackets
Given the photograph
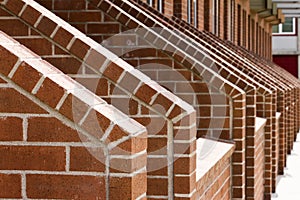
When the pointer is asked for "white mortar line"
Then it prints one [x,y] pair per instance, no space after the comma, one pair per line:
[67,158]
[170,161]
[38,85]
[14,69]
[25,127]
[23,185]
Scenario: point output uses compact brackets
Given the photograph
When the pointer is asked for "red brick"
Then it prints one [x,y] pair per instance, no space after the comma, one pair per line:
[2,81]
[96,124]
[95,59]
[45,129]
[79,49]
[128,165]
[4,13]
[154,125]
[50,92]
[69,5]
[87,159]
[113,72]
[46,26]
[65,187]
[140,53]
[163,101]
[11,129]
[10,185]
[40,46]
[13,102]
[73,108]
[98,86]
[131,146]
[184,185]
[175,112]
[46,3]
[127,187]
[85,16]
[30,15]
[62,37]
[8,60]
[32,158]
[157,166]
[157,186]
[13,27]
[184,165]
[105,28]
[26,76]
[15,6]
[145,93]
[116,134]
[157,146]
[68,65]
[129,82]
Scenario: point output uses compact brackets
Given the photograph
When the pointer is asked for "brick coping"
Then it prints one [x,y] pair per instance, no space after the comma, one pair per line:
[260,123]
[212,152]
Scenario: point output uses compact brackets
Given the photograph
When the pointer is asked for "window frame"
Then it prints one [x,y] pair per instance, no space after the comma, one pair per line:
[280,32]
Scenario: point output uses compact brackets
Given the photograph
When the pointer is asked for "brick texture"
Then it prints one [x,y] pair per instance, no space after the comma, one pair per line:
[63,118]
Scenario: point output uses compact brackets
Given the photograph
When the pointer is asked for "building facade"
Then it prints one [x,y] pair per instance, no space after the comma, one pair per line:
[154,99]
[285,45]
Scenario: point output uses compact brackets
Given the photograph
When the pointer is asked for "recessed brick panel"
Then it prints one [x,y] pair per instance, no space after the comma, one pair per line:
[65,187]
[32,158]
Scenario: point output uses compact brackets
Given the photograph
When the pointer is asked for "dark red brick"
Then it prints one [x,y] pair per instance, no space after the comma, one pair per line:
[32,158]
[45,129]
[65,187]
[10,185]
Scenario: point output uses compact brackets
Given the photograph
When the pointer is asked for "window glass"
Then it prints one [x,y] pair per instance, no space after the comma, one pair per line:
[288,27]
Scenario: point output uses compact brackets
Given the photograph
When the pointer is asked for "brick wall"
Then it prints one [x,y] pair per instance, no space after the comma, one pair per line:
[148,102]
[234,19]
[49,152]
[158,110]
[205,122]
[213,183]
